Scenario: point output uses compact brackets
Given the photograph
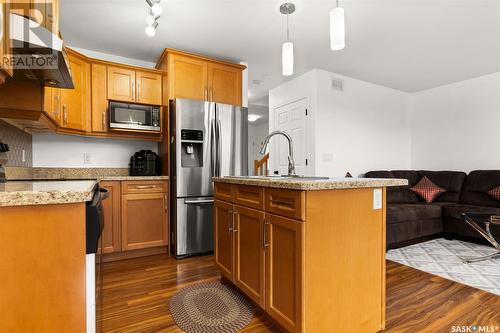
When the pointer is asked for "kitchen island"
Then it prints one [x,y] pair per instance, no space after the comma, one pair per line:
[309,252]
[43,255]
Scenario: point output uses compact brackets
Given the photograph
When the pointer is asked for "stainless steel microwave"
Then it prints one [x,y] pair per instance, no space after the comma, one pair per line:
[137,117]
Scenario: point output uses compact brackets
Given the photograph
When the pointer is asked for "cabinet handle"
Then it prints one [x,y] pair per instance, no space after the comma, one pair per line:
[166,202]
[211,95]
[103,120]
[145,186]
[133,90]
[56,108]
[139,91]
[264,232]
[65,115]
[230,224]
[206,94]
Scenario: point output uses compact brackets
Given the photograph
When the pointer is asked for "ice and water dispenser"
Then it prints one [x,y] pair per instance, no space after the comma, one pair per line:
[191,148]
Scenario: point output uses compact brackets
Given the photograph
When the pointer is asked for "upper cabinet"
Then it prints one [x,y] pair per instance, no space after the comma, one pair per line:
[5,45]
[75,103]
[196,77]
[129,85]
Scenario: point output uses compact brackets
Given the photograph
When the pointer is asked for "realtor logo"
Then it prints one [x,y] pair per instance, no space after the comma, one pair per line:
[474,329]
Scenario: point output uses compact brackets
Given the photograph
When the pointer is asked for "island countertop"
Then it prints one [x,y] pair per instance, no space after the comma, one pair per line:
[311,184]
[25,193]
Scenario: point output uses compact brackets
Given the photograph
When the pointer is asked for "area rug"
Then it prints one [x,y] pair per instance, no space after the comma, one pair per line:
[210,307]
[440,257]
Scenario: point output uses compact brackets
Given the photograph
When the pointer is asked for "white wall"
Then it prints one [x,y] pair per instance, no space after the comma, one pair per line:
[114,58]
[362,128]
[457,126]
[67,151]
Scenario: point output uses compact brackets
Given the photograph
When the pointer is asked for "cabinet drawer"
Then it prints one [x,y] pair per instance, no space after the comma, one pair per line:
[224,191]
[144,186]
[249,196]
[286,203]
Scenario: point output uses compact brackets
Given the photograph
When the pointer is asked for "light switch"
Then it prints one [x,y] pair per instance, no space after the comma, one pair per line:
[87,158]
[377,198]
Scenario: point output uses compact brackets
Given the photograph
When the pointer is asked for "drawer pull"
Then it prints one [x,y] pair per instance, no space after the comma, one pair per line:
[264,236]
[145,186]
[231,223]
[282,202]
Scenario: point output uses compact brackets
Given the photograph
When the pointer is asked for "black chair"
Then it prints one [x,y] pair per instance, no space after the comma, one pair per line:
[474,219]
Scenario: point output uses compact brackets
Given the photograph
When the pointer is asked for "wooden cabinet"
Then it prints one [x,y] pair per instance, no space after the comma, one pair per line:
[284,263]
[111,234]
[223,222]
[187,77]
[249,252]
[52,103]
[149,88]
[225,84]
[128,85]
[314,261]
[75,103]
[197,77]
[99,98]
[121,84]
[6,69]
[144,216]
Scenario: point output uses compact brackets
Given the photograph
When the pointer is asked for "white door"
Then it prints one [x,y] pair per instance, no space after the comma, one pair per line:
[291,118]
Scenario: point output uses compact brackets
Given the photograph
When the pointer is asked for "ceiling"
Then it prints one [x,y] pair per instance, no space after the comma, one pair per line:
[409,45]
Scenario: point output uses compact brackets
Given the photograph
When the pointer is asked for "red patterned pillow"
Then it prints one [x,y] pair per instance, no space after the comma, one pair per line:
[427,190]
[495,193]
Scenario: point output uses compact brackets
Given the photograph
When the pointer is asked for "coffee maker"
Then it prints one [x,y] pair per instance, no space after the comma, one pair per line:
[145,163]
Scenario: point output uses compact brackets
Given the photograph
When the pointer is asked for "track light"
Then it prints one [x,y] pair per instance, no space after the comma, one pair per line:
[151,29]
[152,19]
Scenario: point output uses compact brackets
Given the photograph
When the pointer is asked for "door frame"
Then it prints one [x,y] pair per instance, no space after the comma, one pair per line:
[273,162]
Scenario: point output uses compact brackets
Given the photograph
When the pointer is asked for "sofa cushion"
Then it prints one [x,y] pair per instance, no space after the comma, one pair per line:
[476,187]
[401,213]
[427,190]
[495,193]
[398,194]
[451,181]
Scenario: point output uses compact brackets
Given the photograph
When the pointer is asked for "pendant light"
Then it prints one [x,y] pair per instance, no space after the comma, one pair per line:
[287,47]
[337,28]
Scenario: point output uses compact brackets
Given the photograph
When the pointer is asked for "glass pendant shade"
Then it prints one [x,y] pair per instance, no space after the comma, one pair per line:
[287,58]
[337,29]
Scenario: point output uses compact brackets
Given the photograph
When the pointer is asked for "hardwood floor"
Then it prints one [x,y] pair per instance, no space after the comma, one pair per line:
[136,294]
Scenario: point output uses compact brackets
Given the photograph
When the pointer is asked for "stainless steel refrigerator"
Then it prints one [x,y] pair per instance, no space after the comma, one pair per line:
[207,140]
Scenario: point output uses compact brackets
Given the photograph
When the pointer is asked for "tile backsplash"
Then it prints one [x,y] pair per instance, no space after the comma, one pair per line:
[17,141]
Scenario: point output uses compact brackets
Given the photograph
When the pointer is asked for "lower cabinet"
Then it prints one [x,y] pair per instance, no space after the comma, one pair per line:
[262,254]
[144,220]
[111,234]
[135,216]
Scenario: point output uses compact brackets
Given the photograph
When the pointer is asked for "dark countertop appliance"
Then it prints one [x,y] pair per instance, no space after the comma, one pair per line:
[145,163]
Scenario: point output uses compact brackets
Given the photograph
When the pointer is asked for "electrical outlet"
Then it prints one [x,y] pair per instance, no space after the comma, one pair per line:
[377,198]
[87,158]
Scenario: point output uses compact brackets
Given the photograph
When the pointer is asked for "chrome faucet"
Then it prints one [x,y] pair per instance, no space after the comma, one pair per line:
[291,163]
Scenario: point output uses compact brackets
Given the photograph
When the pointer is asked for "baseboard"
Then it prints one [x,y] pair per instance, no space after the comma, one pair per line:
[108,257]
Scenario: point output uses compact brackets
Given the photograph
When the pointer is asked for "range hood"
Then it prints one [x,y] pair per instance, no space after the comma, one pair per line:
[38,54]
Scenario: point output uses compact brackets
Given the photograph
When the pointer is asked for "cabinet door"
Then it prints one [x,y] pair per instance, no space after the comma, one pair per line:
[121,84]
[284,263]
[75,102]
[52,103]
[144,220]
[148,88]
[224,84]
[223,222]
[111,234]
[187,77]
[52,16]
[249,252]
[99,98]
[5,44]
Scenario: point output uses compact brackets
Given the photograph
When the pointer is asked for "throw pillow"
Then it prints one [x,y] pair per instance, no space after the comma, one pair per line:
[427,190]
[495,192]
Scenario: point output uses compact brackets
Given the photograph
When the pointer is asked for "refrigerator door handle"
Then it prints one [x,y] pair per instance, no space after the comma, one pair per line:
[219,147]
[213,149]
[199,202]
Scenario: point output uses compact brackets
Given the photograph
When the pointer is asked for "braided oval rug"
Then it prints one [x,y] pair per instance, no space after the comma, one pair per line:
[210,307]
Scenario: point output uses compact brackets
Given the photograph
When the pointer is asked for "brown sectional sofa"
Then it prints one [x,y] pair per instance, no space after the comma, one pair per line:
[411,220]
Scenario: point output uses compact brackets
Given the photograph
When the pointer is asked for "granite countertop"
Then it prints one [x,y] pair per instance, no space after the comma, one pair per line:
[126,178]
[24,193]
[312,184]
